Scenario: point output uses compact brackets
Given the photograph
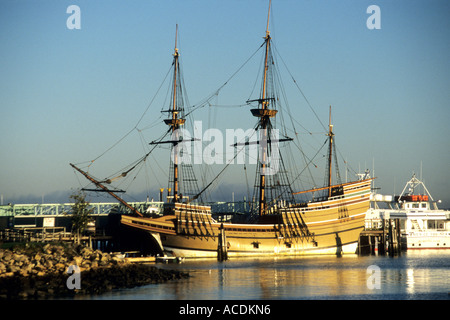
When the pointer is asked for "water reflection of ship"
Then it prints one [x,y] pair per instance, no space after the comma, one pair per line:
[328,223]
[281,279]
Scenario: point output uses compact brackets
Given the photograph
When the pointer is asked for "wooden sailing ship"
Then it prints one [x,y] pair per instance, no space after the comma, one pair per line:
[329,224]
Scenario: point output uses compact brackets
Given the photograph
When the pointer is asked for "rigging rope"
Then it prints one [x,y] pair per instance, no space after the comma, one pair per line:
[307,166]
[217,176]
[301,91]
[205,101]
[202,104]
[134,164]
[138,122]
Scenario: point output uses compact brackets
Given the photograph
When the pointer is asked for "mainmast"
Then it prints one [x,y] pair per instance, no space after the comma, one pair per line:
[330,153]
[175,122]
[264,114]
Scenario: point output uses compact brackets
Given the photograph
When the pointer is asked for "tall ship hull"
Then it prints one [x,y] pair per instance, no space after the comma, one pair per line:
[328,222]
[326,227]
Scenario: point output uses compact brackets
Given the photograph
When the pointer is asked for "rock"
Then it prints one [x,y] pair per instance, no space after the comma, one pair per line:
[28,268]
[22,258]
[86,252]
[7,256]
[39,267]
[77,260]
[105,257]
[60,266]
[35,272]
[17,257]
[95,255]
[47,248]
[37,257]
[48,264]
[23,272]
[12,268]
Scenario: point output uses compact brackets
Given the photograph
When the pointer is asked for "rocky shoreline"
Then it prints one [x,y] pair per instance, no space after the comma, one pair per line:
[37,271]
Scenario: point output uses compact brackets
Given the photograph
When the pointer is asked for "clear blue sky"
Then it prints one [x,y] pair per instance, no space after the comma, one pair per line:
[68,95]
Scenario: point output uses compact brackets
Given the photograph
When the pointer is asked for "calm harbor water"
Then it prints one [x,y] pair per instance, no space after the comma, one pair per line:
[414,275]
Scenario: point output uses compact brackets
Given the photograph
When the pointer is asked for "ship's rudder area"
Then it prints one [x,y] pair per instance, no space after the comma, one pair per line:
[146,242]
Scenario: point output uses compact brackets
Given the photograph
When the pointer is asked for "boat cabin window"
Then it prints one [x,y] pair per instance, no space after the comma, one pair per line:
[416,205]
[431,224]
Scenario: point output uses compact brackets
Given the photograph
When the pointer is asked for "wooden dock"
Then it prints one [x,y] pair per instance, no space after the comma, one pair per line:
[151,259]
[166,259]
[386,240]
[54,234]
[141,259]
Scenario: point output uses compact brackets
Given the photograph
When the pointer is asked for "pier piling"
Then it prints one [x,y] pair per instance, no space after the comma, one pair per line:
[222,250]
[382,241]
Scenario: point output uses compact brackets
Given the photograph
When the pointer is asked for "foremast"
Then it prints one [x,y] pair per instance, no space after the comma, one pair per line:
[176,121]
